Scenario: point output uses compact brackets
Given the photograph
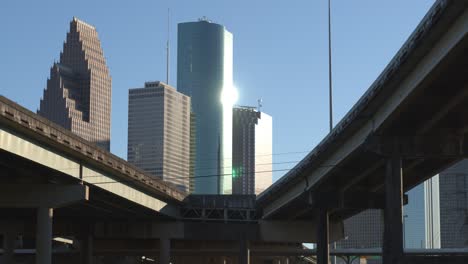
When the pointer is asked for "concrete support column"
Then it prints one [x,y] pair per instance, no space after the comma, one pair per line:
[87,249]
[244,252]
[8,247]
[44,235]
[323,254]
[393,219]
[164,251]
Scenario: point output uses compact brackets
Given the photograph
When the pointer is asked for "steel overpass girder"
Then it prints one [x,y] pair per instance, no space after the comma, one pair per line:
[41,195]
[433,145]
[337,200]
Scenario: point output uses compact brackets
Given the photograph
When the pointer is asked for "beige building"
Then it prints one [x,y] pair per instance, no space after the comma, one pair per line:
[159,133]
[251,151]
[78,93]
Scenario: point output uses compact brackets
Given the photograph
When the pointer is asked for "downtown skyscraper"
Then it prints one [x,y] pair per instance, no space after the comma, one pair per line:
[78,93]
[454,206]
[251,151]
[159,136]
[205,73]
[421,216]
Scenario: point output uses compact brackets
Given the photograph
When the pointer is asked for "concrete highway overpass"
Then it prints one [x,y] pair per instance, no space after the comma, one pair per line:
[56,187]
[408,126]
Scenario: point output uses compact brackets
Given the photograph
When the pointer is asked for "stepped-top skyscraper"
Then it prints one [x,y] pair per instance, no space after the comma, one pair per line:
[78,93]
[204,72]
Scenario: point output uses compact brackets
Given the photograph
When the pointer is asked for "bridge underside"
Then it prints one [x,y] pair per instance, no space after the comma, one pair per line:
[17,172]
[97,223]
[430,127]
[410,125]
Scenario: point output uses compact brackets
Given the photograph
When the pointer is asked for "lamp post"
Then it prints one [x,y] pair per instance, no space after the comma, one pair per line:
[330,94]
[404,227]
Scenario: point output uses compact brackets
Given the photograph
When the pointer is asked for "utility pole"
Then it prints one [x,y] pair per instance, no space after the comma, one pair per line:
[330,94]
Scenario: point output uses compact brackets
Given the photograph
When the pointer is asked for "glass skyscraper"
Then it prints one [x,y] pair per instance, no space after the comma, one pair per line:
[78,93]
[204,72]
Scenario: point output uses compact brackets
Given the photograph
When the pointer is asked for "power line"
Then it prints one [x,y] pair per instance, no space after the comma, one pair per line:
[259,155]
[256,164]
[192,177]
[226,167]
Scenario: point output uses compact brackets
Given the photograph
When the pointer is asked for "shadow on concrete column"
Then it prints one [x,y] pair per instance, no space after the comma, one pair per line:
[8,248]
[244,252]
[44,235]
[393,219]
[164,251]
[86,248]
[323,254]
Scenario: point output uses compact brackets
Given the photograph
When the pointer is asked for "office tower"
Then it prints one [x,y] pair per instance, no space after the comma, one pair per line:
[159,124]
[454,206]
[204,72]
[421,225]
[421,216]
[251,151]
[193,148]
[432,212]
[78,93]
[364,230]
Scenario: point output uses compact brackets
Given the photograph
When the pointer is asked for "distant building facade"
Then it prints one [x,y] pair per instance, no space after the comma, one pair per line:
[204,71]
[159,123]
[421,216]
[78,92]
[364,230]
[251,151]
[436,216]
[454,206]
[421,221]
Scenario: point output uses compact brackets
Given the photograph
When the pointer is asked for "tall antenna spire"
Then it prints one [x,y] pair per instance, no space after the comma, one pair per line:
[167,47]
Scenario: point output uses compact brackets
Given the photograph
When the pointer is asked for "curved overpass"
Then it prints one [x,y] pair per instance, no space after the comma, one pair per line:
[409,125]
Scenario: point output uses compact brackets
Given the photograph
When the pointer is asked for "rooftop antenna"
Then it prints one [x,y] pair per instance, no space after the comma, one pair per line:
[259,101]
[330,67]
[167,47]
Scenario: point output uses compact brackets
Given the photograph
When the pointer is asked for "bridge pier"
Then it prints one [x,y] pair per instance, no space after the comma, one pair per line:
[244,252]
[8,247]
[86,249]
[164,250]
[393,218]
[323,254]
[44,235]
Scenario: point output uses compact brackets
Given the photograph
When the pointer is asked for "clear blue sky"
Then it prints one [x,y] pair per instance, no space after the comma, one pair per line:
[280,53]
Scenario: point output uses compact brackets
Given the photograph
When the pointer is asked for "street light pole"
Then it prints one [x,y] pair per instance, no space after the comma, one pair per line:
[330,94]
[404,231]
